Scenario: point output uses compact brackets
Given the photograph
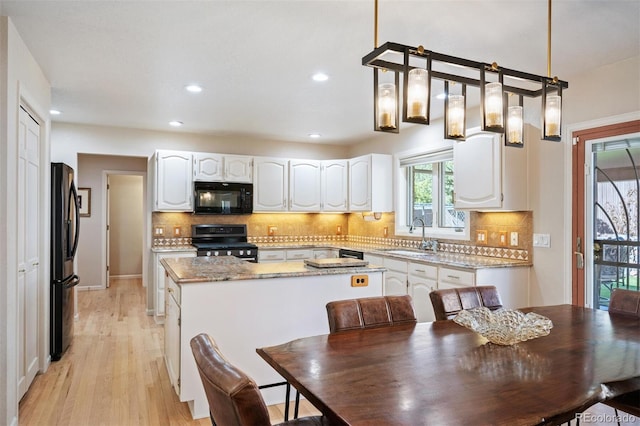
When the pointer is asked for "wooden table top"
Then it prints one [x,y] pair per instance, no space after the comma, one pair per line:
[442,373]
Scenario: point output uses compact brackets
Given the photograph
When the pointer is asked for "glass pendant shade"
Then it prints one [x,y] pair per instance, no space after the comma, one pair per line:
[387,106]
[455,117]
[493,105]
[417,93]
[514,125]
[552,116]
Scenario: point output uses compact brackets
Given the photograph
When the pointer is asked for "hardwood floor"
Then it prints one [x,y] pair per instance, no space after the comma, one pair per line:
[114,372]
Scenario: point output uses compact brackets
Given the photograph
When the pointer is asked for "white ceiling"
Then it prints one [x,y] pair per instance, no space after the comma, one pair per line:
[125,63]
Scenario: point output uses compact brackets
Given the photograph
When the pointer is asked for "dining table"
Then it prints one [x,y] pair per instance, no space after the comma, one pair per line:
[441,373]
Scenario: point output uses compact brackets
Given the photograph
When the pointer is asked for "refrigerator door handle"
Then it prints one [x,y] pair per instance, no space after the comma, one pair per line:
[74,281]
[76,208]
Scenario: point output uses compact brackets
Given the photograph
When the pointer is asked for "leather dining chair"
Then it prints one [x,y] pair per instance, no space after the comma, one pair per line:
[448,302]
[625,302]
[234,398]
[370,312]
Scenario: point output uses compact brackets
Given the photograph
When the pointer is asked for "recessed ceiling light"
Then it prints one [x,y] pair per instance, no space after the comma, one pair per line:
[54,112]
[193,88]
[314,135]
[175,123]
[320,76]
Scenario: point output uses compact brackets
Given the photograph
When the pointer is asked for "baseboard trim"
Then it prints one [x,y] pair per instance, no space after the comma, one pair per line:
[126,276]
[89,287]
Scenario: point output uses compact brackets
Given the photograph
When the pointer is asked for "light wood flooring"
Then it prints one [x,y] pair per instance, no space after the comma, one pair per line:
[114,373]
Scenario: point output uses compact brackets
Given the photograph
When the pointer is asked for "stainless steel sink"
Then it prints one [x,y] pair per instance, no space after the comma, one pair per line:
[414,254]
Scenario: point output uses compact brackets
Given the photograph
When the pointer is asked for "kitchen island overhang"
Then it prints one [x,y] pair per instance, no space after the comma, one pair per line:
[244,306]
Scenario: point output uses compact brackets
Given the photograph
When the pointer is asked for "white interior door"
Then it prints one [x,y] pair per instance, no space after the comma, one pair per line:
[28,246]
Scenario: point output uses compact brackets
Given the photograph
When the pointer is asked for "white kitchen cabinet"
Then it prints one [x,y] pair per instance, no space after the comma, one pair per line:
[489,175]
[299,254]
[334,186]
[222,168]
[370,183]
[172,332]
[395,279]
[325,253]
[271,184]
[452,278]
[423,279]
[173,177]
[288,255]
[159,280]
[304,185]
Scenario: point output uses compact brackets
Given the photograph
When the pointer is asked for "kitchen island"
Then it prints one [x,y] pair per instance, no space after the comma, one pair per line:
[244,306]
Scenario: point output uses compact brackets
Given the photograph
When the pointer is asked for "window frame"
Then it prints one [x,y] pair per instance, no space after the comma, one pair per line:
[402,191]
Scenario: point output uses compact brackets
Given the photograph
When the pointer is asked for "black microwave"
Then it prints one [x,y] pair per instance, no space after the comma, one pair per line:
[222,198]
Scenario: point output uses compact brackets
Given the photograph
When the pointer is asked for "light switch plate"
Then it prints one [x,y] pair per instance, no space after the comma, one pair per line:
[158,231]
[542,240]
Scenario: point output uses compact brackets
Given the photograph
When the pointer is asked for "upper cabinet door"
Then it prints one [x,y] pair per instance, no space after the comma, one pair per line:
[334,185]
[271,184]
[174,180]
[477,171]
[489,175]
[360,184]
[238,168]
[207,167]
[304,185]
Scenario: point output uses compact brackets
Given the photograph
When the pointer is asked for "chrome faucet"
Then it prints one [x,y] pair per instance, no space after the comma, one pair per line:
[424,245]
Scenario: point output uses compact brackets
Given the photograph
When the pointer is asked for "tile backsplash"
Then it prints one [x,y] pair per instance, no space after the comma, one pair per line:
[495,229]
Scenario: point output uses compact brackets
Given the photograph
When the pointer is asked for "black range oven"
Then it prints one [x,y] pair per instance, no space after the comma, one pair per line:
[223,240]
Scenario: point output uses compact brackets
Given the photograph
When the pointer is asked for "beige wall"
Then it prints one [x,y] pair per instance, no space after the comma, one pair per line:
[21,81]
[92,172]
[126,214]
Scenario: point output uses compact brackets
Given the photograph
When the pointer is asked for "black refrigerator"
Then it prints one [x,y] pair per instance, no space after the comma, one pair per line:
[65,215]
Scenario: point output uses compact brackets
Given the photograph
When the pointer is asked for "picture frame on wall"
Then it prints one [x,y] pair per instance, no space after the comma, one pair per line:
[84,201]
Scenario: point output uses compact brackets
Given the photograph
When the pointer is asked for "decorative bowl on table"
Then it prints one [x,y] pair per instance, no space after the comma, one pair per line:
[504,326]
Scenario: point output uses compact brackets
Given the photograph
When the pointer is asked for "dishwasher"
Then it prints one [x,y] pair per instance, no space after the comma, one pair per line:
[352,254]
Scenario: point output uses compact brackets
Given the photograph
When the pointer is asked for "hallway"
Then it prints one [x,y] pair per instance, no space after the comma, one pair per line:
[114,372]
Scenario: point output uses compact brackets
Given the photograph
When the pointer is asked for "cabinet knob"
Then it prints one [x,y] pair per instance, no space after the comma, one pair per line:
[170,290]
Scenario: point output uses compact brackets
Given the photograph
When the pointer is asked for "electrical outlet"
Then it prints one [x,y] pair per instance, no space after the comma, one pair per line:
[177,231]
[271,230]
[502,239]
[359,280]
[514,239]
[481,237]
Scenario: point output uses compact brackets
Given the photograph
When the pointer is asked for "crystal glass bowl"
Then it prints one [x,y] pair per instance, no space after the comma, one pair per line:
[504,326]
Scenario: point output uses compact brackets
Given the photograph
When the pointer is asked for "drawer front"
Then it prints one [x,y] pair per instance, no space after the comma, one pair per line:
[424,271]
[395,264]
[271,255]
[299,254]
[456,277]
[174,290]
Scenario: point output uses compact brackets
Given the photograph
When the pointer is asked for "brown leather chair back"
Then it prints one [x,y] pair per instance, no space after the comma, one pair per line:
[448,302]
[625,302]
[234,399]
[370,312]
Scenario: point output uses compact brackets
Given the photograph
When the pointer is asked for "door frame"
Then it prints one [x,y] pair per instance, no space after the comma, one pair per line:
[105,221]
[575,157]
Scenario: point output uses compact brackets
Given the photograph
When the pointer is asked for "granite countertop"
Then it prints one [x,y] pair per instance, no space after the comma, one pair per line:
[440,258]
[229,268]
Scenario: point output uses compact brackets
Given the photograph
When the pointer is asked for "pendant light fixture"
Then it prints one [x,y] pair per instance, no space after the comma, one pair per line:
[514,134]
[495,83]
